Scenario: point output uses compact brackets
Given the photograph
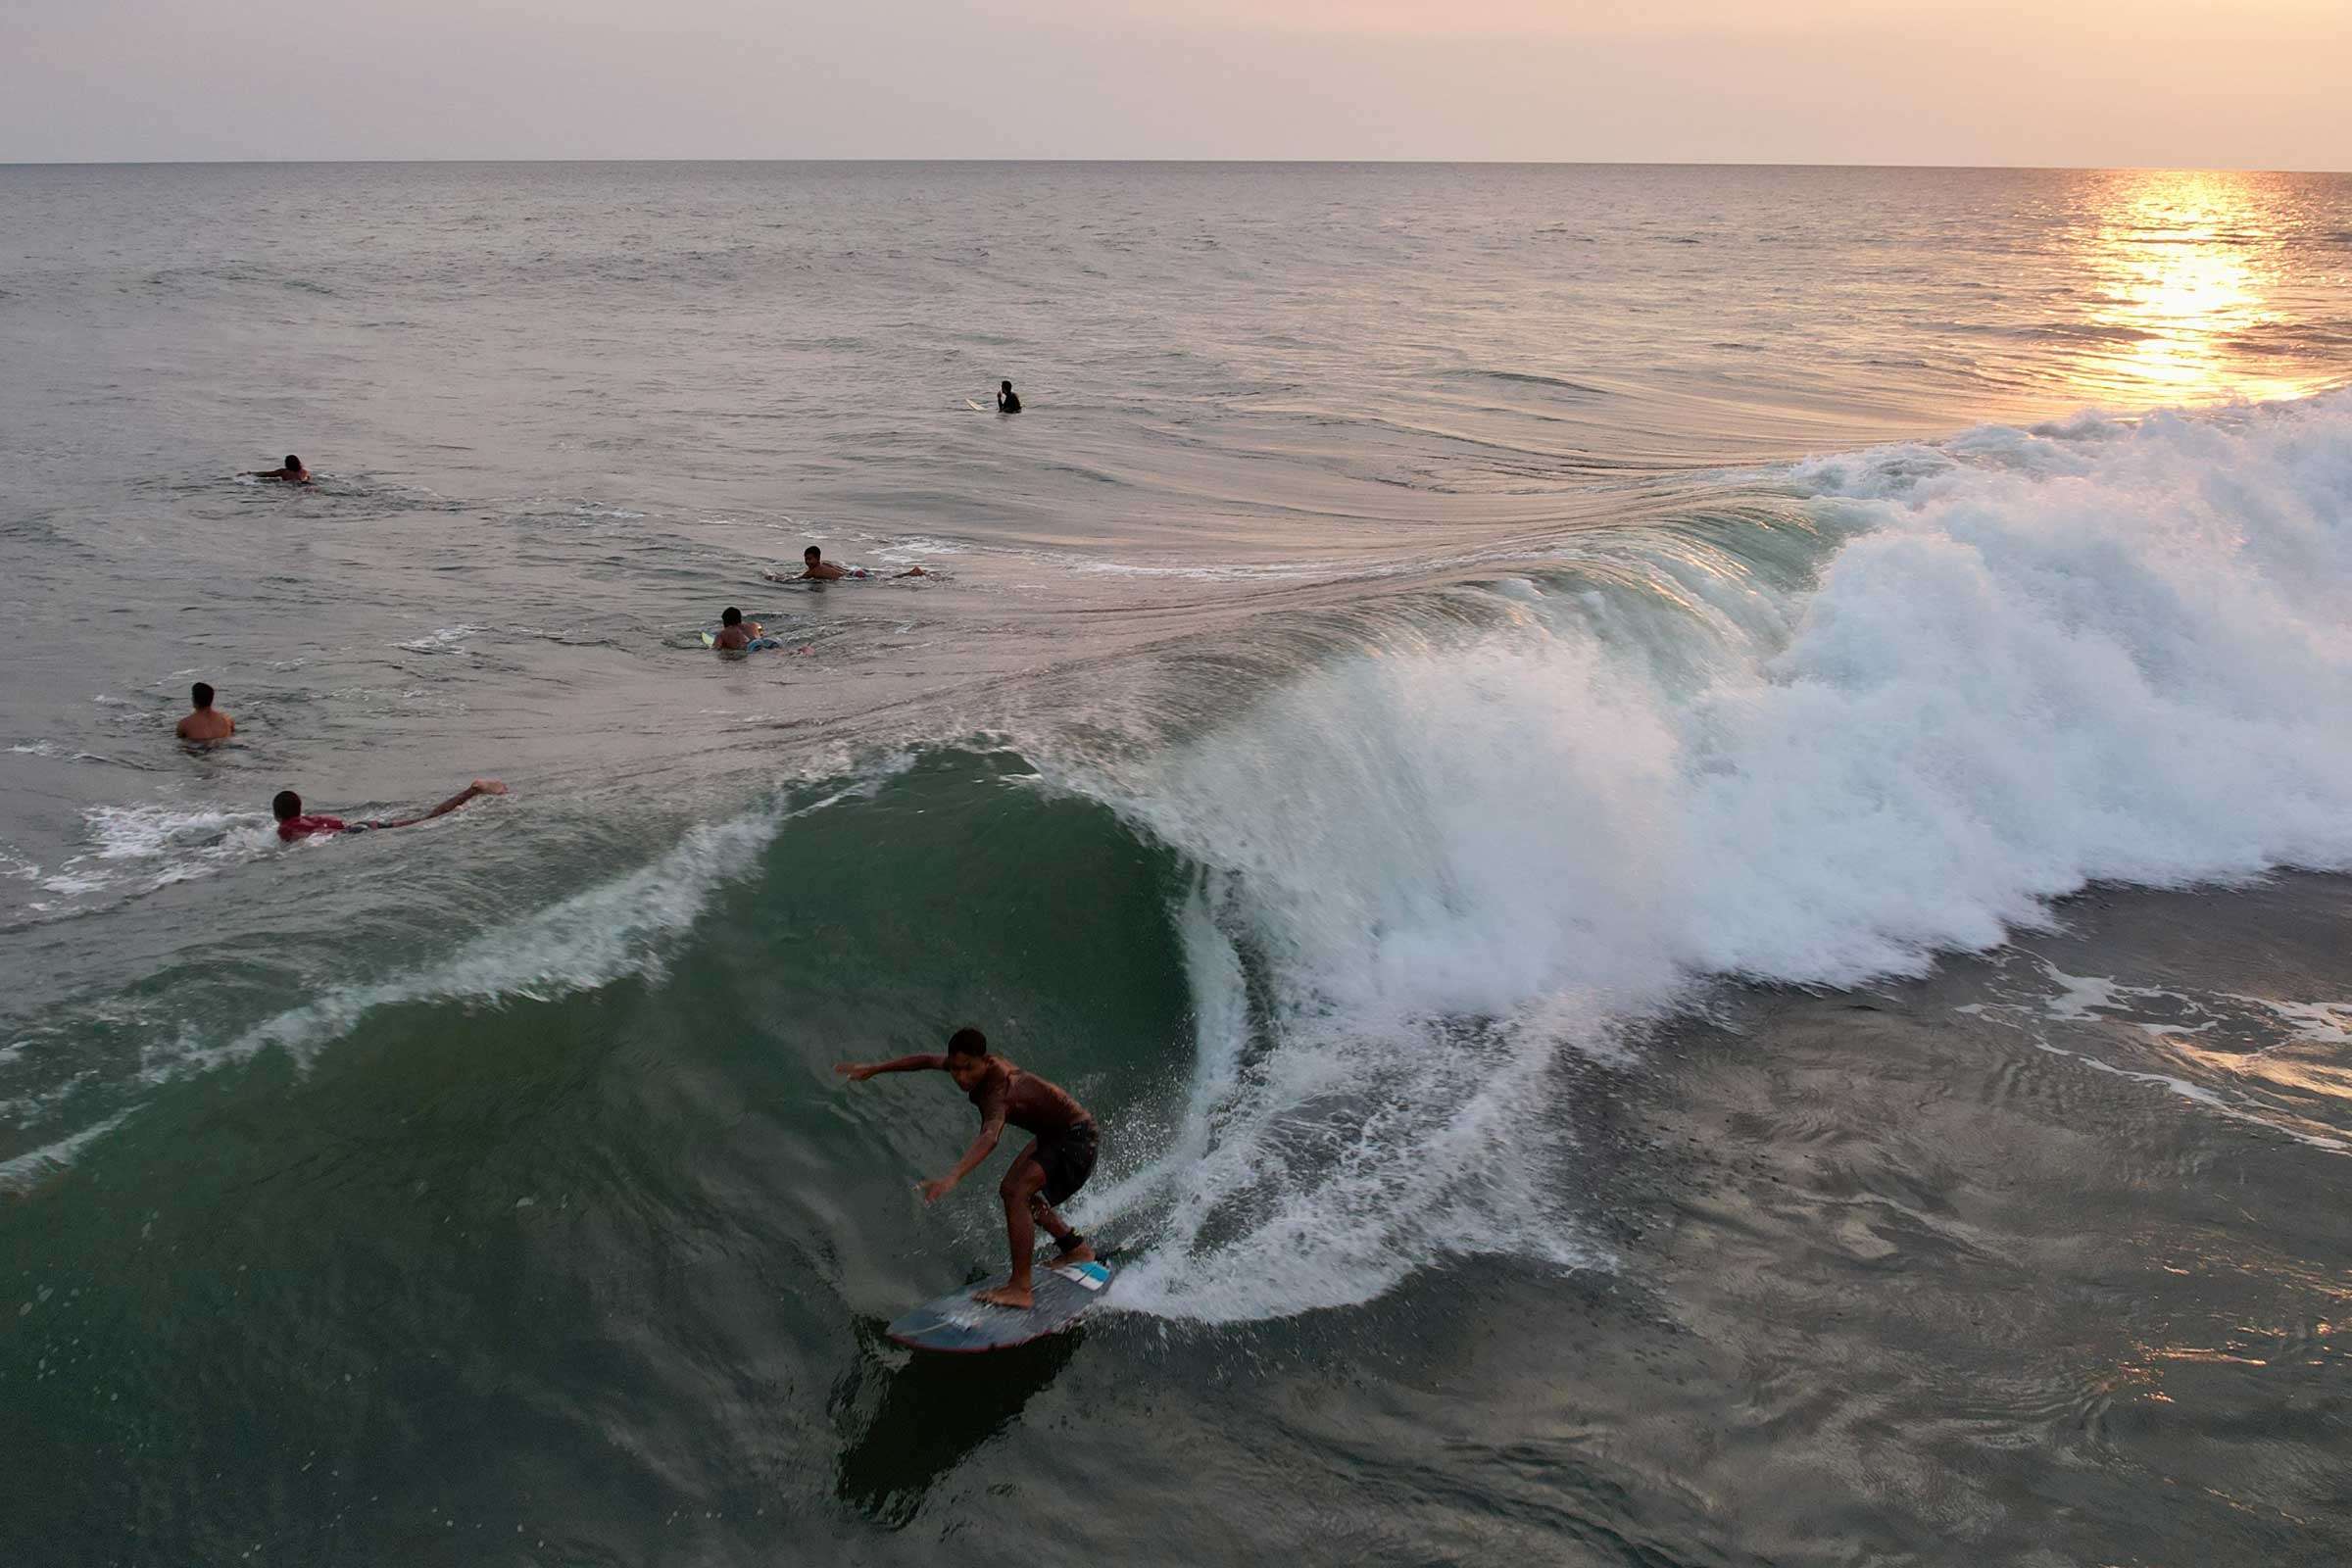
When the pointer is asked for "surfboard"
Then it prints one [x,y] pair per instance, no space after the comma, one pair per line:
[974,406]
[955,1322]
[709,639]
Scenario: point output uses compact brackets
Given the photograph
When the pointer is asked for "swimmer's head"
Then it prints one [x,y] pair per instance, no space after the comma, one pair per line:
[201,695]
[811,554]
[1008,386]
[286,806]
[730,617]
[294,463]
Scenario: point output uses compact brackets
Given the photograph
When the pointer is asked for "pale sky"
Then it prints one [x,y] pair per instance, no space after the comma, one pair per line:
[2253,84]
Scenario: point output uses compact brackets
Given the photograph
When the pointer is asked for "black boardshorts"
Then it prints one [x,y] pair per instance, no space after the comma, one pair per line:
[1068,1159]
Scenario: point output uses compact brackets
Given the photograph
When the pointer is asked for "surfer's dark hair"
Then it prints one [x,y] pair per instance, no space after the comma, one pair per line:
[967,1041]
[286,806]
[811,551]
[730,617]
[201,695]
[293,461]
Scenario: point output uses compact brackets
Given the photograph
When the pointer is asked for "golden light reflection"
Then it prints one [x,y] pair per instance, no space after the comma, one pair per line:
[2184,265]
[2302,1071]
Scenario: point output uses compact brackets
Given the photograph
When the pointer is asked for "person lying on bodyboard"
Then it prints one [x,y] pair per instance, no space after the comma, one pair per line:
[1054,1165]
[814,567]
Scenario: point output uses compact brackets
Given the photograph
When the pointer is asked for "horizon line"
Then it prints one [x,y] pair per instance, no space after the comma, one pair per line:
[1294,162]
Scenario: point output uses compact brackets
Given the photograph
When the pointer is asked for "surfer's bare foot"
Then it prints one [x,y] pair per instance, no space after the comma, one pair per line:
[1083,1252]
[1013,1296]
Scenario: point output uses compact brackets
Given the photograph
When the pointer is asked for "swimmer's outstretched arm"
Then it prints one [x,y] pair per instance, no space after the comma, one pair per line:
[860,1073]
[480,786]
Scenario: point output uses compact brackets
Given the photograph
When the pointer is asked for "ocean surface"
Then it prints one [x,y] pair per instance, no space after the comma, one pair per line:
[1690,827]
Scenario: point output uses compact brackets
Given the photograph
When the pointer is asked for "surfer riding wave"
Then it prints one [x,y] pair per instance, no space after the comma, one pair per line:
[1054,1165]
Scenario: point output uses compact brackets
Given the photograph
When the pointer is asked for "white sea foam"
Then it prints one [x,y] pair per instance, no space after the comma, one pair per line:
[2105,650]
[146,847]
[917,547]
[139,832]
[441,640]
[27,1168]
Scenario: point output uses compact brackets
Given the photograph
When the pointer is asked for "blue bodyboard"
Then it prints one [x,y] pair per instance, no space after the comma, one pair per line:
[1059,1296]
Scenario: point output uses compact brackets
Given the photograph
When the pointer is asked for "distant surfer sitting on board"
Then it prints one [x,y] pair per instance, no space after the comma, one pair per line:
[1046,1172]
[292,824]
[814,567]
[1007,400]
[292,473]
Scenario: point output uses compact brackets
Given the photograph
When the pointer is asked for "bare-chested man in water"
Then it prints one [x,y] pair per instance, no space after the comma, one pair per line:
[205,723]
[1051,1168]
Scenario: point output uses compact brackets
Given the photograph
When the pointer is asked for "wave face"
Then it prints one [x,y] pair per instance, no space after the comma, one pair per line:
[2101,651]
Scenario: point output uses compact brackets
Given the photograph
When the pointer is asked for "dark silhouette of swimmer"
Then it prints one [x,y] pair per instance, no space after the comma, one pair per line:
[1007,400]
[292,824]
[292,473]
[205,723]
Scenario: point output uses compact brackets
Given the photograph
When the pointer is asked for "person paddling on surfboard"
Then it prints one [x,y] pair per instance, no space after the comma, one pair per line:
[737,635]
[293,823]
[1045,1173]
[814,567]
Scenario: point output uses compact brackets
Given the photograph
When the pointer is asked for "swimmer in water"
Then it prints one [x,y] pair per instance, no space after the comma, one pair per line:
[1007,400]
[292,473]
[292,824]
[814,567]
[739,636]
[205,723]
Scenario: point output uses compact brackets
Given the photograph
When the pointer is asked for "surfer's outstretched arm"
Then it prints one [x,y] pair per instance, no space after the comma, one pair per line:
[858,1072]
[982,1146]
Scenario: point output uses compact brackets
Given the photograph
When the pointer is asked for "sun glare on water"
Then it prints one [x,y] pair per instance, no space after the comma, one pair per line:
[2184,267]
